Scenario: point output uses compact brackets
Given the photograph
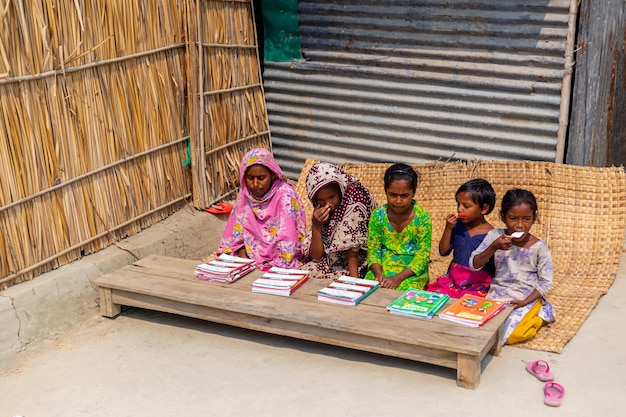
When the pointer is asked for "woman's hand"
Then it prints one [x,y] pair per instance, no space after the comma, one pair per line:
[391,282]
[321,215]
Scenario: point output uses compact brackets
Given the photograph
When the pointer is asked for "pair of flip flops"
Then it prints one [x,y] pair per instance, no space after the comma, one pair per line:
[553,391]
[220,208]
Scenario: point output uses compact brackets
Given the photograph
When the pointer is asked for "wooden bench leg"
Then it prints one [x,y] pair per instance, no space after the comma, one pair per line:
[107,307]
[497,346]
[468,371]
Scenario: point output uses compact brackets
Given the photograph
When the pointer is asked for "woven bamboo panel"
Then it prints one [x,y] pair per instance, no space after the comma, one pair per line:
[93,127]
[582,217]
[100,102]
[228,115]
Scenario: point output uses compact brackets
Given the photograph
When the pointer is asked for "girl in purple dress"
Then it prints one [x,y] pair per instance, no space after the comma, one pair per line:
[524,268]
[464,232]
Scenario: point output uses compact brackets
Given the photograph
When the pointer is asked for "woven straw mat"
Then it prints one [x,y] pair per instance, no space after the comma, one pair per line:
[582,217]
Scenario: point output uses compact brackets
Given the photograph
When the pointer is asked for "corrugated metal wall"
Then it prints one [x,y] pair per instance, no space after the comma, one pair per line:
[418,80]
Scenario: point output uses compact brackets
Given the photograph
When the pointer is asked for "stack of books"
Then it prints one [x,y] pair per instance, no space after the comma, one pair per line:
[472,310]
[225,268]
[418,303]
[280,281]
[347,290]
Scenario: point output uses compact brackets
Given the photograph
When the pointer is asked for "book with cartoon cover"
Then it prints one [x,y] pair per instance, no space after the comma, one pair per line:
[472,310]
[418,303]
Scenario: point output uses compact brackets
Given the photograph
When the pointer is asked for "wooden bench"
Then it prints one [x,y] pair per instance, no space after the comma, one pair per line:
[168,285]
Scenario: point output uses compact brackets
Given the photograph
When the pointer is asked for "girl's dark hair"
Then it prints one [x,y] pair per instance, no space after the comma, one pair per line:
[515,197]
[401,172]
[481,192]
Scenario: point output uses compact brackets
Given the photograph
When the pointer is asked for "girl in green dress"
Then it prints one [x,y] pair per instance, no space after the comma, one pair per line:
[398,245]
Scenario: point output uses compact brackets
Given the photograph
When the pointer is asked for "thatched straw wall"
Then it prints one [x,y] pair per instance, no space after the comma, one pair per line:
[228,85]
[95,119]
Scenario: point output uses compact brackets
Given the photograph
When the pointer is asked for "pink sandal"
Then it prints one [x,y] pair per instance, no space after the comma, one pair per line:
[553,392]
[540,369]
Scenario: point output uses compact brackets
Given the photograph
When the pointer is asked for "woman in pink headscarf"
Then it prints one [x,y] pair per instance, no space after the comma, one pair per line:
[268,223]
[342,205]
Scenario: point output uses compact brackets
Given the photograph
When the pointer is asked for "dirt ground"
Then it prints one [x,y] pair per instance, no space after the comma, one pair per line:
[145,363]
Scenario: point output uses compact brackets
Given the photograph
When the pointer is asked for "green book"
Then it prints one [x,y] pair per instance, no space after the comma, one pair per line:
[418,303]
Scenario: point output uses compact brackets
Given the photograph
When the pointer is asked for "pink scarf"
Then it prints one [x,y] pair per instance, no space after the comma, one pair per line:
[271,228]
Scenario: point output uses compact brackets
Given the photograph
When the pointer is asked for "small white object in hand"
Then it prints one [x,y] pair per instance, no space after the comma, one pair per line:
[516,235]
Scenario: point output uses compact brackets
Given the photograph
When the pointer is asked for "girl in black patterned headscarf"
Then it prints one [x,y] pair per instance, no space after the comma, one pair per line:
[337,242]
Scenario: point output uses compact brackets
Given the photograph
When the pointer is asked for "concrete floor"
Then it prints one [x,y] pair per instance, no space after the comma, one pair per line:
[145,363]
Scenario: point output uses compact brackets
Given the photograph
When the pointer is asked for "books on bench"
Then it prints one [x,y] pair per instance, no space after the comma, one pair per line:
[347,290]
[280,281]
[225,268]
[472,310]
[418,303]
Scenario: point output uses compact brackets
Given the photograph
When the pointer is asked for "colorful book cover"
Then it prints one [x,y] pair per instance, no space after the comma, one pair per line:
[418,303]
[280,281]
[347,290]
[287,271]
[225,268]
[357,281]
[472,310]
[224,257]
[283,277]
[274,283]
[350,287]
[217,270]
[222,264]
[223,279]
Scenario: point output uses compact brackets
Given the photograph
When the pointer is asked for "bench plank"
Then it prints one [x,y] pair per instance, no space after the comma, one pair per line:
[168,285]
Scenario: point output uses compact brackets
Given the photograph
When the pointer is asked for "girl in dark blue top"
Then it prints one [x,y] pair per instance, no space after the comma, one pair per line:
[464,231]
